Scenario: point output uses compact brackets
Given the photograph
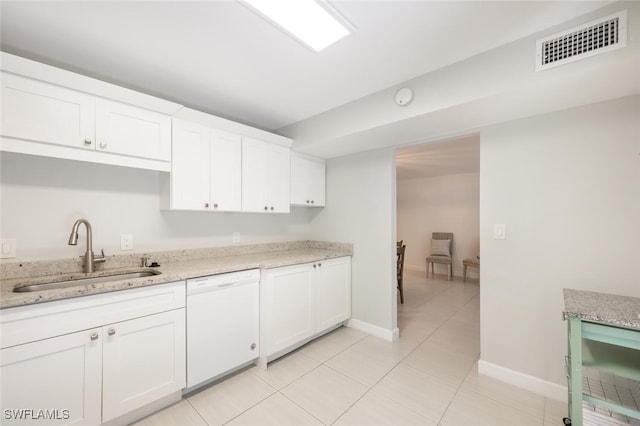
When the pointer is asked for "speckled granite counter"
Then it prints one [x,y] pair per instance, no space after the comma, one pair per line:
[174,266]
[609,309]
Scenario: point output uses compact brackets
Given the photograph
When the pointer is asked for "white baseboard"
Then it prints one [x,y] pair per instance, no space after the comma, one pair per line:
[524,381]
[374,330]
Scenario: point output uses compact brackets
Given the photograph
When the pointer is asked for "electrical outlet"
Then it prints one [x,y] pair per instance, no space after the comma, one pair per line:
[126,242]
[8,248]
[236,237]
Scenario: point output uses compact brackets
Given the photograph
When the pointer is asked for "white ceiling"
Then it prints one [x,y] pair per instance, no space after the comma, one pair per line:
[447,157]
[222,58]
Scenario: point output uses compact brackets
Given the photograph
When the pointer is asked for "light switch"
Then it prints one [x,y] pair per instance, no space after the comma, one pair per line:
[8,248]
[499,231]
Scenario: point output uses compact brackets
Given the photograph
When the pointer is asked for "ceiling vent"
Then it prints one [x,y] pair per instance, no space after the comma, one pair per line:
[593,38]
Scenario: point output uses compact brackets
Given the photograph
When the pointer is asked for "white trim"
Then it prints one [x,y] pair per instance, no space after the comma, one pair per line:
[524,381]
[374,330]
[61,77]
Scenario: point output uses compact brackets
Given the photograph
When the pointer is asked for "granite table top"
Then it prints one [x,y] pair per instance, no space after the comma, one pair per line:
[603,308]
[174,266]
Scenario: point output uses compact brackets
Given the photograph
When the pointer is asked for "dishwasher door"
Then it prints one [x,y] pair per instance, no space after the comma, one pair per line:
[222,324]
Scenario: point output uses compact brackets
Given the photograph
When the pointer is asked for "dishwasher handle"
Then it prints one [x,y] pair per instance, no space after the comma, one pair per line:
[219,282]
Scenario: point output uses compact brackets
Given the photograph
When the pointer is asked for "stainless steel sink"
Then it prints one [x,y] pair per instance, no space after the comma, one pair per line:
[71,281]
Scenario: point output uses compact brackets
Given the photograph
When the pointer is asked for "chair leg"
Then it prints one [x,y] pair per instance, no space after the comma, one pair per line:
[464,279]
[401,292]
[433,274]
[450,270]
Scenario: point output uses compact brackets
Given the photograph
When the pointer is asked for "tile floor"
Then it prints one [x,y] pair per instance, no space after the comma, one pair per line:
[428,377]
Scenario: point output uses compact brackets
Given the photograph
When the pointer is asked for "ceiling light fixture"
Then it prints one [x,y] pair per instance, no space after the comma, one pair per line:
[314,23]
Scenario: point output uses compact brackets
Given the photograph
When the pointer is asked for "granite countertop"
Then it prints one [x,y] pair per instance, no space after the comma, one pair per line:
[175,265]
[608,309]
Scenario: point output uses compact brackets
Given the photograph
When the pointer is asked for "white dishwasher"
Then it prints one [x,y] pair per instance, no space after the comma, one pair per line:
[222,324]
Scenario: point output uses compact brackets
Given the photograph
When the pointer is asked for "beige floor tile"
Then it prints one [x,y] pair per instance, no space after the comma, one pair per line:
[324,393]
[440,362]
[426,394]
[276,410]
[364,368]
[383,349]
[374,409]
[519,398]
[555,410]
[285,370]
[470,408]
[332,344]
[226,400]
[181,413]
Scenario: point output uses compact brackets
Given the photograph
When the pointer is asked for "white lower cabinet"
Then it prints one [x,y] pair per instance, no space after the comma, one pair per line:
[143,360]
[61,375]
[301,301]
[288,307]
[97,374]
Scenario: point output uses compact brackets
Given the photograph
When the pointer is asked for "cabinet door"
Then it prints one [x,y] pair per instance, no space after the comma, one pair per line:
[332,292]
[287,305]
[41,112]
[143,361]
[129,130]
[225,160]
[265,177]
[190,166]
[61,375]
[307,181]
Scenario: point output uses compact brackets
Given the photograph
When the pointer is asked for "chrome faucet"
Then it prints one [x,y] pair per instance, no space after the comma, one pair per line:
[89,259]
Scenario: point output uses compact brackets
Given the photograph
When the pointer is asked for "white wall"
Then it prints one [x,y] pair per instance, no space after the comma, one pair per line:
[439,204]
[567,186]
[361,210]
[42,197]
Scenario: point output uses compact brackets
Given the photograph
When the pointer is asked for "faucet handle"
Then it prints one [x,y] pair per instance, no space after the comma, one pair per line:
[102,257]
[144,262]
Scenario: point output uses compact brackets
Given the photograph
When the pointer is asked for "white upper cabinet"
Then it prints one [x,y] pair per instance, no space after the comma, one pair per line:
[128,130]
[189,183]
[265,177]
[225,176]
[307,181]
[42,112]
[51,112]
[206,169]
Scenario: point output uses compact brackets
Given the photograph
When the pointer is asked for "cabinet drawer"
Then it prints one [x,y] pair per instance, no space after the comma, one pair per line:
[40,321]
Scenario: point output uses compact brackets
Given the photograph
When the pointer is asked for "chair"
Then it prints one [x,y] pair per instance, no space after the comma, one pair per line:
[474,263]
[441,252]
[400,267]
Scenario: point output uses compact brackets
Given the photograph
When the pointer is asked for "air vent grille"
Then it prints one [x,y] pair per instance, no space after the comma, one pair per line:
[587,40]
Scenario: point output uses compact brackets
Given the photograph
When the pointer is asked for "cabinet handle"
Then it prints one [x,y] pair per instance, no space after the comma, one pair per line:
[266,208]
[87,142]
[111,331]
[319,264]
[311,201]
[271,208]
[308,201]
[103,144]
[94,336]
[253,346]
[315,266]
[215,206]
[206,205]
